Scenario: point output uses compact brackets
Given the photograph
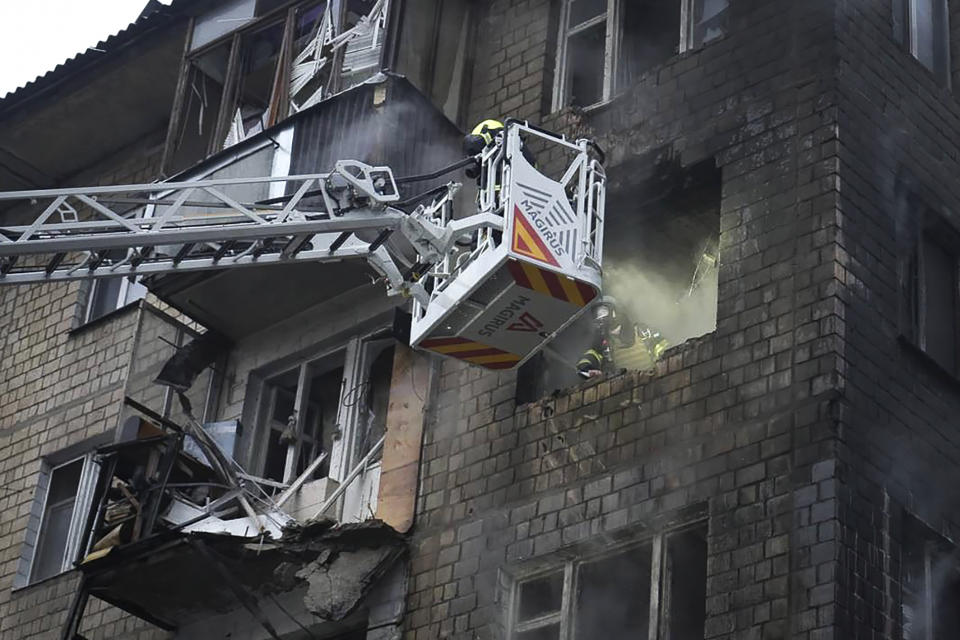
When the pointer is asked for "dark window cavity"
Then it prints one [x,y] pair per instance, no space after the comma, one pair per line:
[653,590]
[930,584]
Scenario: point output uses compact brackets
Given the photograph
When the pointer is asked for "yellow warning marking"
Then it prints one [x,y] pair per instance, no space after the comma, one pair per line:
[503,357]
[536,278]
[570,288]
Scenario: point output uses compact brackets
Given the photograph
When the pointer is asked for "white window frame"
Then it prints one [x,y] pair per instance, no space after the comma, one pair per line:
[659,585]
[85,490]
[358,353]
[128,292]
[943,26]
[614,37]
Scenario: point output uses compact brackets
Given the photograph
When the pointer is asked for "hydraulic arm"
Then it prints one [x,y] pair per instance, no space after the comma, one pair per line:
[424,251]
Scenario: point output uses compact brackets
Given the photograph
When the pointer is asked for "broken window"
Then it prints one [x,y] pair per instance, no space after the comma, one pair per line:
[606,45]
[661,267]
[256,102]
[931,287]
[922,27]
[930,584]
[53,538]
[334,405]
[656,589]
[252,63]
[302,418]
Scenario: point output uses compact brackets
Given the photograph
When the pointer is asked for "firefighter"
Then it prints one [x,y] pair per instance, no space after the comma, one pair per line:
[482,136]
[618,343]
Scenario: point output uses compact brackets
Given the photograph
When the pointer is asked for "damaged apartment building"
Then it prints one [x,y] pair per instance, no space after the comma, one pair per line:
[253,450]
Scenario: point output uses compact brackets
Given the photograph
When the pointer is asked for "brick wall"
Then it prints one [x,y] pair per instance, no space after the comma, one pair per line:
[741,423]
[898,442]
[59,386]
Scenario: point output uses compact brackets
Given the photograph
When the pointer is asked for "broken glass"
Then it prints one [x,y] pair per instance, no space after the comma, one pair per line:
[613,596]
[256,105]
[540,596]
[585,65]
[687,579]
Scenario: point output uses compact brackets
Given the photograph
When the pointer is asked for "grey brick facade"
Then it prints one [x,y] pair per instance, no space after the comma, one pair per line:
[803,432]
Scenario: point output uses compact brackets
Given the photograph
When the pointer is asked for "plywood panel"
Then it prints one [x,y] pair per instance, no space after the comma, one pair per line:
[401,449]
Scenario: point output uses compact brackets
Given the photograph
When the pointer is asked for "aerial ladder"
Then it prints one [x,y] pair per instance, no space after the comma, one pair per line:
[489,288]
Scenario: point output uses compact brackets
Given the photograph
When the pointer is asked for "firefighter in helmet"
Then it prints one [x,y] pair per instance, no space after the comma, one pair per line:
[618,343]
[483,136]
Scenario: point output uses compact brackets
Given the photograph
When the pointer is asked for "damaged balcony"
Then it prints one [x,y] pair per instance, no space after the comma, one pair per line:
[179,534]
[383,121]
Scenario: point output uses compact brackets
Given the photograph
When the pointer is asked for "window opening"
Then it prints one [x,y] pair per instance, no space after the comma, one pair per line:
[206,79]
[611,596]
[65,493]
[930,584]
[686,584]
[930,286]
[539,607]
[651,36]
[923,27]
[708,21]
[109,294]
[940,319]
[256,107]
[661,267]
[293,443]
[375,398]
[655,590]
[606,45]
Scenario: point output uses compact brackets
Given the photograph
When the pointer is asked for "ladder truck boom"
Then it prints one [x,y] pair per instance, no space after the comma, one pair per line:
[489,288]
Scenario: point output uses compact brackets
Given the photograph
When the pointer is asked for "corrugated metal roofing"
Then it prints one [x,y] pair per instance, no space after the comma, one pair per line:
[153,15]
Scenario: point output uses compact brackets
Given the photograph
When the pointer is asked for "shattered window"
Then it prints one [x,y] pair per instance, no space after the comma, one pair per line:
[247,70]
[294,442]
[256,105]
[203,96]
[613,595]
[605,45]
[654,590]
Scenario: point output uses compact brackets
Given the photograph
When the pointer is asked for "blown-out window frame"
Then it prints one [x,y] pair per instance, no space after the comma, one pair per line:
[285,16]
[613,19]
[565,617]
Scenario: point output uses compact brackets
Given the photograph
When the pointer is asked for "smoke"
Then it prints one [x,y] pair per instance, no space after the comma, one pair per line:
[663,303]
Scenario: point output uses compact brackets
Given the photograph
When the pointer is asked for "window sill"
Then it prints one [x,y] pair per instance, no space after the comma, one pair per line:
[25,587]
[925,360]
[107,317]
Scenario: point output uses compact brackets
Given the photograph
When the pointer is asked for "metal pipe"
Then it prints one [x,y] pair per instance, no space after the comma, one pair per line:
[351,476]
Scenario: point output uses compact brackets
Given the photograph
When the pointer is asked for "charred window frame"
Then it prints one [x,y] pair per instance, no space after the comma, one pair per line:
[923,28]
[582,597]
[55,528]
[930,289]
[248,65]
[605,45]
[930,584]
[334,402]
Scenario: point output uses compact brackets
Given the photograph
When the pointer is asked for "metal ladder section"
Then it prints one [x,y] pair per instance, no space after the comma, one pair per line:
[142,229]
